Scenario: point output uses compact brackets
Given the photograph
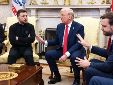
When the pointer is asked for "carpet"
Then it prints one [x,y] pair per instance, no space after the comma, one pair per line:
[64,71]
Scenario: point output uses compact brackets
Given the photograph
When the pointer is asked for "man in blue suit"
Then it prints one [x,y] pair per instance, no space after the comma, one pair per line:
[96,67]
[97,80]
[74,49]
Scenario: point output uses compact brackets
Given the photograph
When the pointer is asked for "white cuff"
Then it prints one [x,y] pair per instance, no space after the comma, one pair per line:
[90,48]
[67,54]
[46,43]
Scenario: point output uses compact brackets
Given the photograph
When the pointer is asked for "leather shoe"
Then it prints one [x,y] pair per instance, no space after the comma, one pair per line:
[54,80]
[76,83]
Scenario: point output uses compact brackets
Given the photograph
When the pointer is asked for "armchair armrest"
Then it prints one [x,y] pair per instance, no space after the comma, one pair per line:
[7,45]
[34,45]
[5,42]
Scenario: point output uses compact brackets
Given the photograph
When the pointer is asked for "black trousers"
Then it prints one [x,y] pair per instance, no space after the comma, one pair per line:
[1,47]
[18,52]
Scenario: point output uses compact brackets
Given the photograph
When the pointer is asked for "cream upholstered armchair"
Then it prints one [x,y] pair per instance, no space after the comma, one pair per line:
[92,31]
[9,22]
[92,34]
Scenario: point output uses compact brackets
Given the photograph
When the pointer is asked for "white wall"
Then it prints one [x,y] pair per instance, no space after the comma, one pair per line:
[5,11]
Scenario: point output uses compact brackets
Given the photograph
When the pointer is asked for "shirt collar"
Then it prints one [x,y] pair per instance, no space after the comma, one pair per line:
[112,37]
[69,25]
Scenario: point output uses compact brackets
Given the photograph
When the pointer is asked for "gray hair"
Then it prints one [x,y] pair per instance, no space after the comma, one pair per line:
[69,10]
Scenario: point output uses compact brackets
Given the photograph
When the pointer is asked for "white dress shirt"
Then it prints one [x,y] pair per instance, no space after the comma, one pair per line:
[67,53]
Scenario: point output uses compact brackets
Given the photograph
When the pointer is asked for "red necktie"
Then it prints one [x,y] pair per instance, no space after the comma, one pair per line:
[65,39]
[109,42]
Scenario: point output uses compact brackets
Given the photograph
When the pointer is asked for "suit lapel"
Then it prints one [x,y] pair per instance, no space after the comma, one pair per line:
[111,46]
[71,31]
[62,32]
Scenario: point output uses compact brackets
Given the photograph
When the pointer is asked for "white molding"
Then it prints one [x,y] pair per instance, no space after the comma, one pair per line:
[61,6]
[48,14]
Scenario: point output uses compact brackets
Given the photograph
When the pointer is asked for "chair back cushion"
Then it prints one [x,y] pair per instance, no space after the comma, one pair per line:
[91,29]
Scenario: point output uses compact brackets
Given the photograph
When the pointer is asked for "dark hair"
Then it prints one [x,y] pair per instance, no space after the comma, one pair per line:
[109,16]
[21,11]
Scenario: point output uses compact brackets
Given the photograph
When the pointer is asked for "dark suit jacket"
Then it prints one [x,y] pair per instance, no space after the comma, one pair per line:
[106,66]
[73,45]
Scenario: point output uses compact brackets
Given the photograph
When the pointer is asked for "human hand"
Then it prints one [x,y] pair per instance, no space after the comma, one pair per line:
[83,42]
[63,58]
[82,62]
[40,39]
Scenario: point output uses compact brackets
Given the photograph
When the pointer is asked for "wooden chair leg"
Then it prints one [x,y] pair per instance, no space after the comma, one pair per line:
[83,76]
[71,69]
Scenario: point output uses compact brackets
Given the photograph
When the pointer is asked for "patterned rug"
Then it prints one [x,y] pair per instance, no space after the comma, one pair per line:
[65,71]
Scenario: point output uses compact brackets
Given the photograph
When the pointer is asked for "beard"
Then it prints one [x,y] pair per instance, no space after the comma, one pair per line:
[107,33]
[23,22]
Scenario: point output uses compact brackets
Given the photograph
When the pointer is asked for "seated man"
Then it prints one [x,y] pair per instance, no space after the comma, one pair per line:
[2,36]
[68,46]
[96,67]
[21,37]
[96,80]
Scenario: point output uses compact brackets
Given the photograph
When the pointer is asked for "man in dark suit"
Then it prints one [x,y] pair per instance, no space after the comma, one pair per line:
[96,67]
[73,49]
[2,36]
[97,80]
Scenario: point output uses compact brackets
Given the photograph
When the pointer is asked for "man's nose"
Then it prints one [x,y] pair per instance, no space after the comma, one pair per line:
[102,29]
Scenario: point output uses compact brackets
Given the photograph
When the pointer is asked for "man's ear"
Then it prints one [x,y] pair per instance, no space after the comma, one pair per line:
[111,27]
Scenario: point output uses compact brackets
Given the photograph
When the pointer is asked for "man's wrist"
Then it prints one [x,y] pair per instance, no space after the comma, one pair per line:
[89,46]
[45,43]
[67,54]
[89,63]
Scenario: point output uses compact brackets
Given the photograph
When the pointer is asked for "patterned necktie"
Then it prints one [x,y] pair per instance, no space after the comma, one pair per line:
[109,42]
[65,39]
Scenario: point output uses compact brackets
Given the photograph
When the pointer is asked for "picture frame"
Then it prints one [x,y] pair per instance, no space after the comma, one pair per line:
[4,2]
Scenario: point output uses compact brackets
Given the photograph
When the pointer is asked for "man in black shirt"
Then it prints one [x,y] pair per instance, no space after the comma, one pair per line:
[2,36]
[21,36]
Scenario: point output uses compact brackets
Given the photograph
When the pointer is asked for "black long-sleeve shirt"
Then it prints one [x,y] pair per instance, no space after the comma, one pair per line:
[25,34]
[2,36]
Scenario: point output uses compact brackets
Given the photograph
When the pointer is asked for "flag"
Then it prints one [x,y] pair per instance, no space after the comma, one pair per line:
[16,5]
